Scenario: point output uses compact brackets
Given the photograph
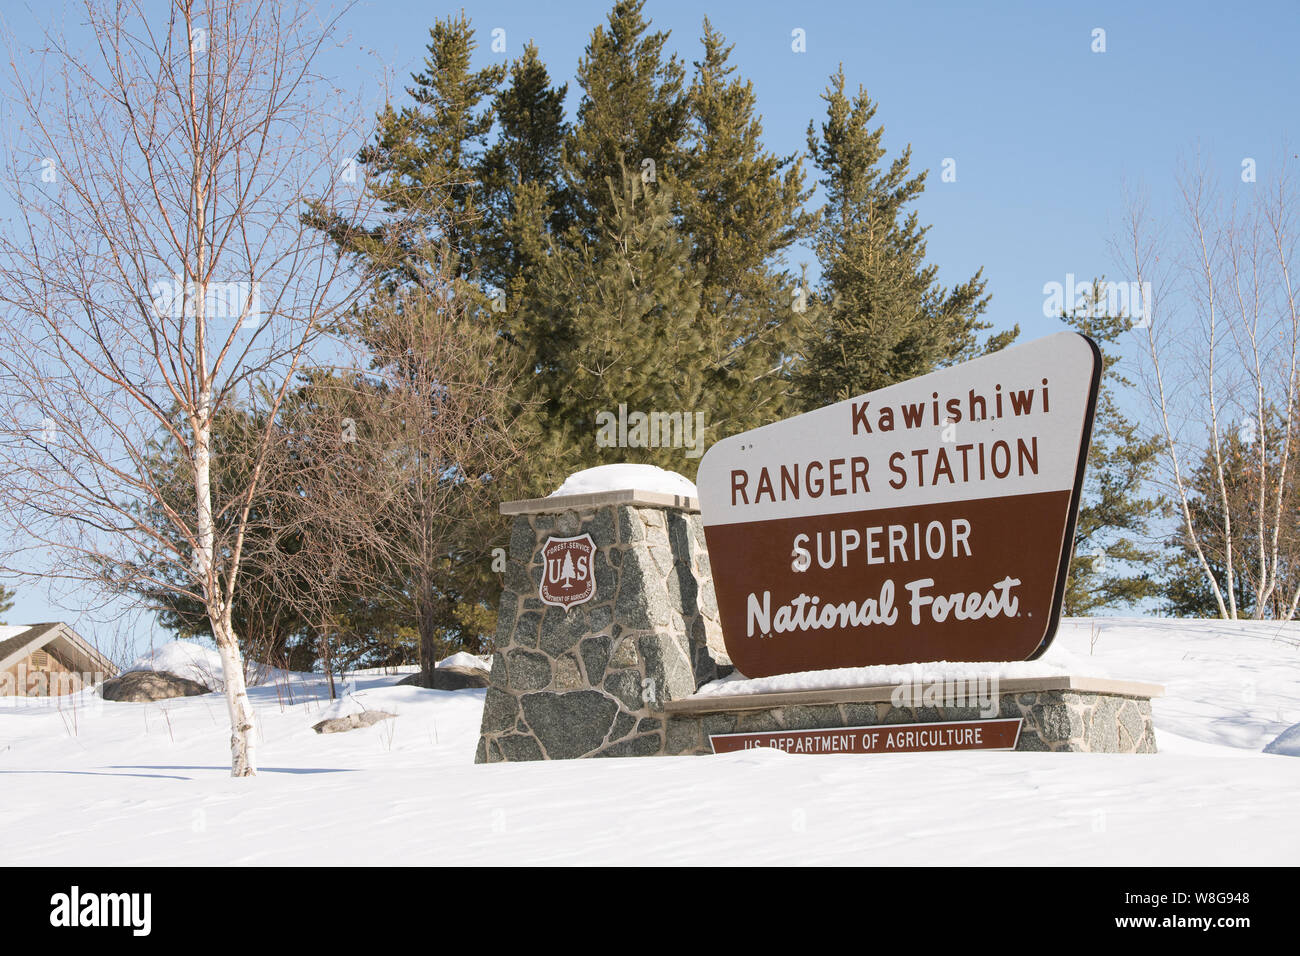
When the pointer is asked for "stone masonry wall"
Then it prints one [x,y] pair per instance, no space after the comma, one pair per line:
[591,681]
[1053,721]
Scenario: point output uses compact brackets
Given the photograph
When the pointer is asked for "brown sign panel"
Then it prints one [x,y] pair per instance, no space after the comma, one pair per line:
[927,521]
[568,572]
[1000,734]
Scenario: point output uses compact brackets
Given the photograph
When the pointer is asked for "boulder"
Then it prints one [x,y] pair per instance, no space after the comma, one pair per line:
[1286,743]
[143,686]
[338,725]
[451,677]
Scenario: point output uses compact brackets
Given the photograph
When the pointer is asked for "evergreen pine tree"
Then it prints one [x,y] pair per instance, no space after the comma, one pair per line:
[742,208]
[633,114]
[883,317]
[424,165]
[607,306]
[6,600]
[614,322]
[666,293]
[520,174]
[1111,566]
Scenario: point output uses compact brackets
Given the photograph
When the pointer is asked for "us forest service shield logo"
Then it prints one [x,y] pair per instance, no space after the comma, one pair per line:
[568,575]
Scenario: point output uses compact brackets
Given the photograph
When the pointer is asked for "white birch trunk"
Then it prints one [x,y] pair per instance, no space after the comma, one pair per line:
[242,728]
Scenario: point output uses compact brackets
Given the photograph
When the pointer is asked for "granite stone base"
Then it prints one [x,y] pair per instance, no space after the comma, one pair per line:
[592,680]
[1072,714]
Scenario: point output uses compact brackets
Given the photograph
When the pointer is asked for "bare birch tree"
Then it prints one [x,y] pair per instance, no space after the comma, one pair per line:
[155,270]
[1220,338]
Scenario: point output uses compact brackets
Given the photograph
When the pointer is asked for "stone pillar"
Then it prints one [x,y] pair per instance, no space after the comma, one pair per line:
[592,680]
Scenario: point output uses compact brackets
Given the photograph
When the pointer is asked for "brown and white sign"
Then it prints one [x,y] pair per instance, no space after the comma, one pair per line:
[998,734]
[927,521]
[568,571]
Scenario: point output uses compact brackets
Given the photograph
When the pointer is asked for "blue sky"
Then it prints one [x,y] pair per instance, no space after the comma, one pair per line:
[1045,133]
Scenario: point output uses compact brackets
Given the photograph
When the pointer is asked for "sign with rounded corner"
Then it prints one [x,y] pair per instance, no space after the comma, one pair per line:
[931,520]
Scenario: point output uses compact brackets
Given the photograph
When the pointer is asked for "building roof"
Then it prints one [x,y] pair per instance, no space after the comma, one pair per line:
[75,650]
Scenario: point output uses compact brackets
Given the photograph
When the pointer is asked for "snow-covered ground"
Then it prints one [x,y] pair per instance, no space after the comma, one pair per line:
[109,783]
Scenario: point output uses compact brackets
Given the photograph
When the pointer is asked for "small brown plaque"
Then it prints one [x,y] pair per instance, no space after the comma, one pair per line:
[568,571]
[998,734]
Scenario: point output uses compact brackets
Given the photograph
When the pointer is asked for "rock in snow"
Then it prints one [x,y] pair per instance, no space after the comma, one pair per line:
[622,477]
[450,677]
[457,672]
[1286,743]
[141,686]
[337,725]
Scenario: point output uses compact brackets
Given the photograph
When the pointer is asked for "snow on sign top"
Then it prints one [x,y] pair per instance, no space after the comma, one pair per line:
[626,477]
